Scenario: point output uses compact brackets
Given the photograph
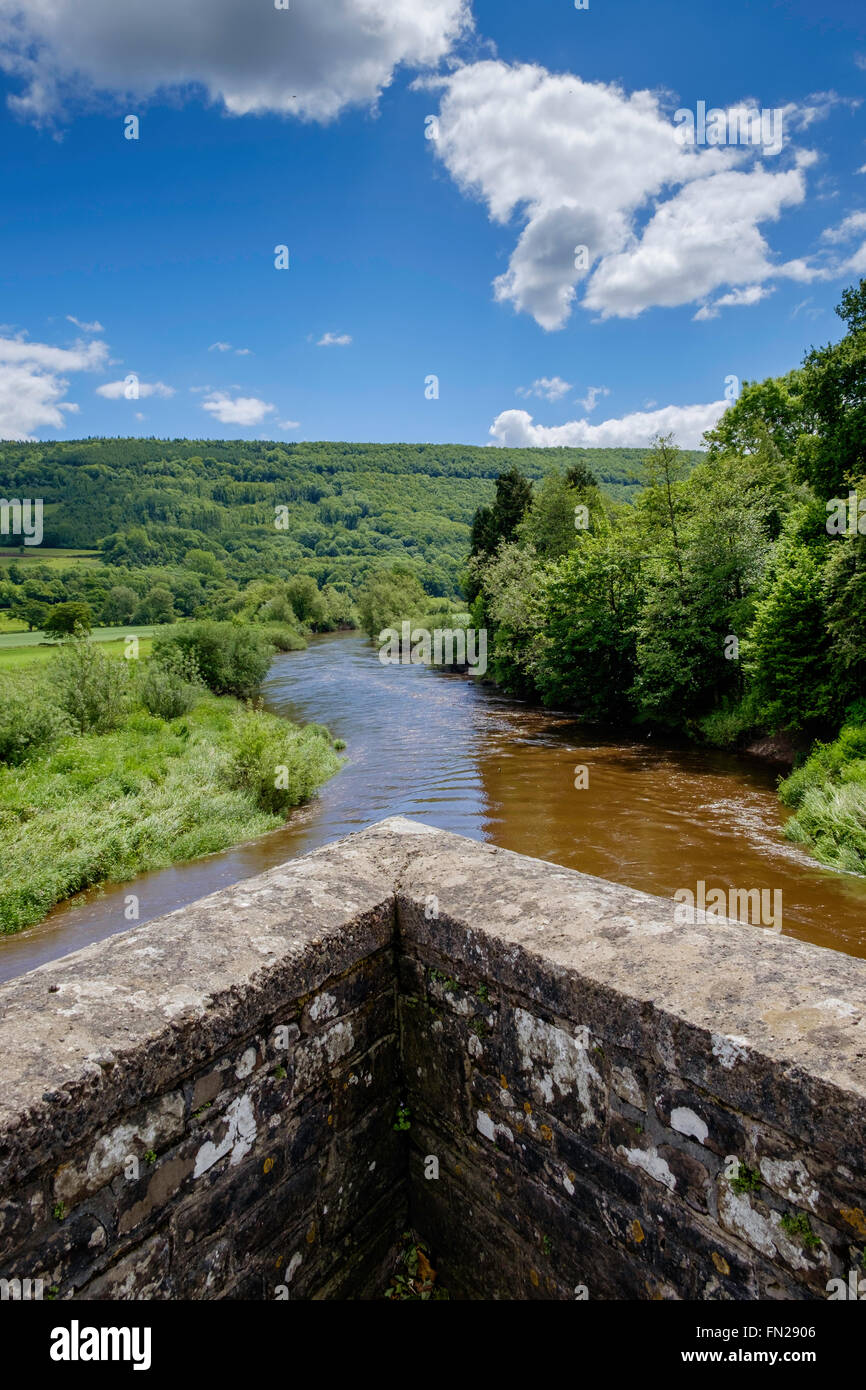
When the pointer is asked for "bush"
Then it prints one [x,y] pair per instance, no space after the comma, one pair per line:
[165,693]
[285,639]
[276,763]
[92,688]
[28,722]
[727,726]
[232,660]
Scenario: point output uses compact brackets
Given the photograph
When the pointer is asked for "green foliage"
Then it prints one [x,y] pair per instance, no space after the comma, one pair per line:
[93,689]
[403,1121]
[389,598]
[278,765]
[231,659]
[415,1278]
[165,693]
[800,1228]
[788,657]
[828,793]
[833,447]
[29,720]
[120,603]
[104,807]
[63,619]
[745,1180]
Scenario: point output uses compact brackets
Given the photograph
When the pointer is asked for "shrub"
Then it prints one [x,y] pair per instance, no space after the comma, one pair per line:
[277,763]
[92,688]
[165,693]
[232,660]
[28,722]
[284,638]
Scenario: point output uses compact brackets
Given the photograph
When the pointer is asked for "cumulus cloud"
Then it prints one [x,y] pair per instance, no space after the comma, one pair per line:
[240,410]
[220,347]
[310,60]
[607,195]
[334,340]
[548,388]
[33,383]
[515,429]
[118,390]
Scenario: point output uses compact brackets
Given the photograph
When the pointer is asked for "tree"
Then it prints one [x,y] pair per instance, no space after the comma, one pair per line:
[29,611]
[834,398]
[789,647]
[65,618]
[389,598]
[119,606]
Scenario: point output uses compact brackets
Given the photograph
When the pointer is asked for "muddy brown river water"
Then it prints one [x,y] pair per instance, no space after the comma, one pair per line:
[440,748]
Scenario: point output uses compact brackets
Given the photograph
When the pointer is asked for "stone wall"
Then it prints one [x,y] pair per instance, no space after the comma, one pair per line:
[602,1103]
[204,1106]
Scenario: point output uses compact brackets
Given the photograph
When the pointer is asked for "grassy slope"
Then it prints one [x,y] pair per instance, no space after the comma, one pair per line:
[828,794]
[105,807]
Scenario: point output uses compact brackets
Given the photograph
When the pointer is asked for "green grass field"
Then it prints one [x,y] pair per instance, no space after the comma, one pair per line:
[55,559]
[22,649]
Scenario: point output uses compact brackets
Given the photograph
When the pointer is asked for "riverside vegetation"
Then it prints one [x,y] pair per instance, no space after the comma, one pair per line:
[111,767]
[700,594]
[725,603]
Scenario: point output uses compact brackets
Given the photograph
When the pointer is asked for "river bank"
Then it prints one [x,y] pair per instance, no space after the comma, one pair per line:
[112,768]
[442,749]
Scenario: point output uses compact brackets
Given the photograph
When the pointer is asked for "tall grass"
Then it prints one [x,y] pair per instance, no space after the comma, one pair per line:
[828,794]
[104,807]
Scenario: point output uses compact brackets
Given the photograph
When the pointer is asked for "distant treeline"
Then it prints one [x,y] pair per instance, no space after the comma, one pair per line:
[350,508]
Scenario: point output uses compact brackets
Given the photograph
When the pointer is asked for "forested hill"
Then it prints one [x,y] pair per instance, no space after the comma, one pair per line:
[147,502]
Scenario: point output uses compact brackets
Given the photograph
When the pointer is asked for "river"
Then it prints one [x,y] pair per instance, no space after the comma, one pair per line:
[437,746]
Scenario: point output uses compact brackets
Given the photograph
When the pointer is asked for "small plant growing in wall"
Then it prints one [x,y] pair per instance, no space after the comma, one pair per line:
[150,1156]
[799,1227]
[546,1245]
[745,1179]
[415,1279]
[59,1212]
[403,1121]
[478,1027]
[280,1074]
[445,981]
[483,993]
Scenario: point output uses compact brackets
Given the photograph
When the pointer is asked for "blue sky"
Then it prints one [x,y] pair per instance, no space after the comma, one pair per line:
[450,257]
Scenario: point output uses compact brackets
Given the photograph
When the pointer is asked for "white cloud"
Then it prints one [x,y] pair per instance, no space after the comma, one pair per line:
[590,400]
[242,410]
[334,340]
[117,390]
[582,165]
[33,383]
[243,352]
[849,227]
[311,60]
[515,429]
[289,424]
[705,236]
[95,327]
[548,388]
[749,294]
[220,347]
